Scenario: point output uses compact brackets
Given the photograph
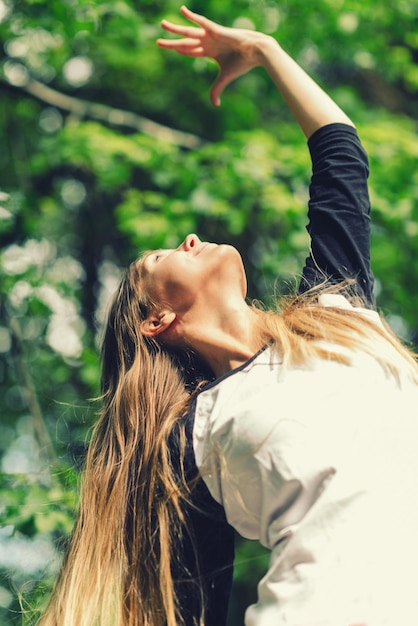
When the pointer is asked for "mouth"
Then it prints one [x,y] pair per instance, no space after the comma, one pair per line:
[201,247]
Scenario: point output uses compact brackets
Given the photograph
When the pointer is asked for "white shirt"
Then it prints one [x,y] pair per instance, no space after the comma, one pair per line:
[320,463]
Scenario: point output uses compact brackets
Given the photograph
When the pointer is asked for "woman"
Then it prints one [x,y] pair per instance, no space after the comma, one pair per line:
[292,426]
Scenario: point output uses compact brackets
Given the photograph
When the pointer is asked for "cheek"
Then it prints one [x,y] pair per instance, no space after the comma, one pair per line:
[179,293]
[173,286]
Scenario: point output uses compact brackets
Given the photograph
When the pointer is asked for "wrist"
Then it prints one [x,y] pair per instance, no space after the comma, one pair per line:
[265,47]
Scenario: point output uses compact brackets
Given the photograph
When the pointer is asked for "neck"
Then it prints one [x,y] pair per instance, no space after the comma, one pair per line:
[226,341]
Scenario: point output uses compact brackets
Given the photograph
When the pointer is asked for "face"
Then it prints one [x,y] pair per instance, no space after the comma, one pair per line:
[194,274]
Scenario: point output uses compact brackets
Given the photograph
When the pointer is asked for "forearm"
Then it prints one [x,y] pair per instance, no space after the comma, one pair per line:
[309,104]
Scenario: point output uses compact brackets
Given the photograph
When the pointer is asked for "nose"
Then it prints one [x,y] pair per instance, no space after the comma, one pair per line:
[191,241]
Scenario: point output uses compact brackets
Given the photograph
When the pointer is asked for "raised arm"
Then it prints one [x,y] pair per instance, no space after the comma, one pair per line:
[238,50]
[339,204]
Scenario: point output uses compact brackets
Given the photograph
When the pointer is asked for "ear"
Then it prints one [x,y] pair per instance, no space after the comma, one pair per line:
[157,323]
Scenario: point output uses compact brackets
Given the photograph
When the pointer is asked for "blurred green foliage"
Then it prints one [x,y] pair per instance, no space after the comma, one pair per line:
[110,146]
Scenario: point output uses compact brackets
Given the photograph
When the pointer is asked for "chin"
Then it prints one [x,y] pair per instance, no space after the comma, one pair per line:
[229,253]
[227,248]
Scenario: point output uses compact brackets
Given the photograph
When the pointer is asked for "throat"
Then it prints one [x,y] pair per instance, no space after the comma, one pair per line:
[225,349]
[232,361]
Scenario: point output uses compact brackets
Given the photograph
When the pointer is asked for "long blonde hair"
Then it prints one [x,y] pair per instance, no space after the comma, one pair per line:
[118,569]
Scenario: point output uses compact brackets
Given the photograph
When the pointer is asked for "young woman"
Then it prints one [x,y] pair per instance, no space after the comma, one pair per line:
[297,427]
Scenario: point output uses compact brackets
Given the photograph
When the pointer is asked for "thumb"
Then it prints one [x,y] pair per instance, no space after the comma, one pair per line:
[230,69]
[217,88]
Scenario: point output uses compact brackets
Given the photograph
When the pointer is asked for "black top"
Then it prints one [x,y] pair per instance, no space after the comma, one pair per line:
[339,211]
[339,227]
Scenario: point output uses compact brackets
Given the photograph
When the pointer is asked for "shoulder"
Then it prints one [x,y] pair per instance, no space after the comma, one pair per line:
[341,302]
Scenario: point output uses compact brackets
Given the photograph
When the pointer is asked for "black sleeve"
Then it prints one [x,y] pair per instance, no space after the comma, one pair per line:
[205,555]
[339,211]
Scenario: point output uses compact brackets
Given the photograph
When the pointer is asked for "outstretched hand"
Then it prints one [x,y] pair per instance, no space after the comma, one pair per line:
[235,50]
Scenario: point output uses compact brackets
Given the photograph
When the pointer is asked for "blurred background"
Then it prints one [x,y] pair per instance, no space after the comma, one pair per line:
[109,146]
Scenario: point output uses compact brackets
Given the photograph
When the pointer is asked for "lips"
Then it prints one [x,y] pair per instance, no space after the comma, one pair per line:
[200,247]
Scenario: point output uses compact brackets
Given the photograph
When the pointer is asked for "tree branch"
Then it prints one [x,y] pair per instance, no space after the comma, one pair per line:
[40,430]
[104,113]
